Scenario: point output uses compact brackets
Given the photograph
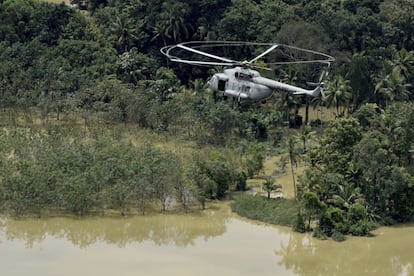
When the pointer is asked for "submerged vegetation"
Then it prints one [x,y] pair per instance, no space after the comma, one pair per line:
[93,117]
[68,168]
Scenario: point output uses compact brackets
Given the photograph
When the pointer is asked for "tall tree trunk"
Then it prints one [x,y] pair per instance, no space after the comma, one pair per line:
[307,110]
[293,176]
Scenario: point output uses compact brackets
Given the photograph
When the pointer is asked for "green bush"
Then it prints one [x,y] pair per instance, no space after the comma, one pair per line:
[338,236]
[299,225]
[362,228]
[333,220]
[317,233]
[359,225]
[356,213]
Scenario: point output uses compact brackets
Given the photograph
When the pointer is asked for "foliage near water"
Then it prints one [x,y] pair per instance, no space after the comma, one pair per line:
[83,170]
[360,174]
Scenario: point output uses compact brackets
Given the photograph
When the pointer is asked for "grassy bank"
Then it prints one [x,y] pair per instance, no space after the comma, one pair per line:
[278,211]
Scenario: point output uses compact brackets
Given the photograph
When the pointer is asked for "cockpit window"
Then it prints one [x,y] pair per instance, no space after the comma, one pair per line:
[243,75]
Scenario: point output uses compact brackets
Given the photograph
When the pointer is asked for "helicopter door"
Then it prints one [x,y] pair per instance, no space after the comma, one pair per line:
[221,85]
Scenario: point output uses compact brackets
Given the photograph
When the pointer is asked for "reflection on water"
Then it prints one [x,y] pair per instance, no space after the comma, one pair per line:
[390,252]
[211,242]
[178,230]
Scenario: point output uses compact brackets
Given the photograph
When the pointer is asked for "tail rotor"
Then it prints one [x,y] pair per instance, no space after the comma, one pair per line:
[320,85]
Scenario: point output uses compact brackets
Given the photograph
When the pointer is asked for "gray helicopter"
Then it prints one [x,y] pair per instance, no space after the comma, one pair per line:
[241,81]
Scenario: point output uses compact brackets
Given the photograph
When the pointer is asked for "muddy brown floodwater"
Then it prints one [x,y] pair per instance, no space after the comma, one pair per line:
[213,242]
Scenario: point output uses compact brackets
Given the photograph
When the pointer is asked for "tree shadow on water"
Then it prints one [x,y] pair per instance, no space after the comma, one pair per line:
[163,229]
[388,253]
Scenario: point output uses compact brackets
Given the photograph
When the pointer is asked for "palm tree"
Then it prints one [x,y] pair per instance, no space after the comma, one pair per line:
[346,196]
[205,30]
[124,31]
[159,32]
[319,104]
[293,156]
[397,83]
[392,87]
[391,82]
[172,24]
[304,135]
[269,186]
[338,94]
[177,29]
[403,62]
[288,101]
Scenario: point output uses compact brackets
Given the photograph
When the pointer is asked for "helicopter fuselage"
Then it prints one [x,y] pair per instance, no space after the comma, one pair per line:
[239,82]
[244,83]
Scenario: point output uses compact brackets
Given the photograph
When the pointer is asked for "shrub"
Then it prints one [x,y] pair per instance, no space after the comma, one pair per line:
[299,225]
[356,213]
[333,220]
[338,236]
[362,228]
[317,233]
[359,225]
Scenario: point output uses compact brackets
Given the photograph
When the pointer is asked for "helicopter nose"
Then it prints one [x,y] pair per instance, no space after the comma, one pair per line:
[212,82]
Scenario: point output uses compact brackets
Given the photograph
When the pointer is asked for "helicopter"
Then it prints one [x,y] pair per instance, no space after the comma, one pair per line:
[241,81]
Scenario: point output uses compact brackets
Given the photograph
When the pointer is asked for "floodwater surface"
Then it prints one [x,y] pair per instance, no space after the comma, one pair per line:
[212,242]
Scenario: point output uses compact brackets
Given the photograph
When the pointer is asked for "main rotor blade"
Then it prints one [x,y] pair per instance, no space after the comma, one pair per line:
[323,74]
[299,62]
[264,53]
[204,53]
[197,62]
[261,67]
[323,91]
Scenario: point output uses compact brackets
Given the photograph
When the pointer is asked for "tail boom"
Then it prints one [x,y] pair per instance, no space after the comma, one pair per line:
[287,87]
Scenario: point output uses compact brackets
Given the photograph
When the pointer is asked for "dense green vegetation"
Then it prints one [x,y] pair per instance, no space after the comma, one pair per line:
[102,65]
[70,168]
[361,172]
